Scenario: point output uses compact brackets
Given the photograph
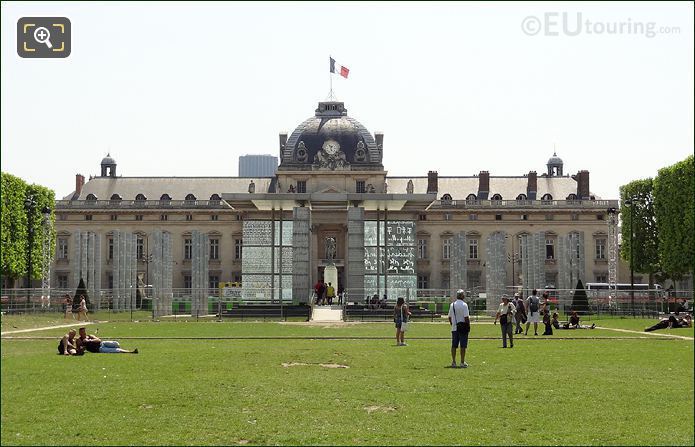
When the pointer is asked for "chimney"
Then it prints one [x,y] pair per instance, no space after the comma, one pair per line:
[582,178]
[79,183]
[532,187]
[483,185]
[379,137]
[283,141]
[432,182]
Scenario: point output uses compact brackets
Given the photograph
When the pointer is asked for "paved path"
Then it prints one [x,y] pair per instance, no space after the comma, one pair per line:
[654,334]
[81,323]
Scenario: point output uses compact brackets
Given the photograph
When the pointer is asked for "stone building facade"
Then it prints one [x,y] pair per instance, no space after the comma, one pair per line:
[392,235]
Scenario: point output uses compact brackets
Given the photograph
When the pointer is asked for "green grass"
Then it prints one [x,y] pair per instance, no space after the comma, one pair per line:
[544,391]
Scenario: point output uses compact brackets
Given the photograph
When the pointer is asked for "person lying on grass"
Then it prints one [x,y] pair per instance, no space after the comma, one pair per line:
[92,343]
[572,324]
[672,322]
[67,345]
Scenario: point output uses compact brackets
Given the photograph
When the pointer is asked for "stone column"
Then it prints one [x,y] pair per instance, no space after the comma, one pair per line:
[355,252]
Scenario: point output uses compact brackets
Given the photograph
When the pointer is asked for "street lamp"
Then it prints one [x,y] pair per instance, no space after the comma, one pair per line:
[630,202]
[30,207]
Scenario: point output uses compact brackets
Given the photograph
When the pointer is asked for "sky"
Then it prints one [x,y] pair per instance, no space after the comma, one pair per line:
[184,89]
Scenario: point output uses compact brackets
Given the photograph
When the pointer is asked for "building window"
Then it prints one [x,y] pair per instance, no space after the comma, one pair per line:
[62,216]
[237,248]
[301,186]
[114,217]
[524,217]
[446,248]
[214,217]
[189,217]
[91,198]
[236,277]
[422,248]
[62,248]
[213,283]
[359,186]
[600,217]
[496,197]
[446,282]
[549,249]
[472,217]
[423,281]
[215,199]
[422,216]
[164,217]
[574,216]
[600,250]
[138,217]
[601,277]
[62,281]
[110,249]
[498,217]
[447,216]
[549,217]
[214,249]
[140,247]
[140,198]
[165,198]
[88,217]
[187,248]
[239,217]
[109,280]
[547,198]
[190,198]
[187,282]
[473,249]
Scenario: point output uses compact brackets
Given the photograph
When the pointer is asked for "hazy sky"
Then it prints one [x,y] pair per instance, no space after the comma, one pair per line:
[184,89]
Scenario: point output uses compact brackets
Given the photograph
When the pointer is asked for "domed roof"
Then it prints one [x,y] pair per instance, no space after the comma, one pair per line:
[555,160]
[108,160]
[353,146]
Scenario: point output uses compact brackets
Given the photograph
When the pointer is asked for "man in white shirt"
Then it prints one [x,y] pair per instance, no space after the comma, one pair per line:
[533,307]
[459,318]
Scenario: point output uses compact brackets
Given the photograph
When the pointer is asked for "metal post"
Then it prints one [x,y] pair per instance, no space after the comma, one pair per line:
[632,249]
[30,206]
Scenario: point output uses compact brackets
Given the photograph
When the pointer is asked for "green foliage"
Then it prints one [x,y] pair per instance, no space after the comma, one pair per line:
[580,302]
[644,226]
[231,392]
[15,226]
[674,206]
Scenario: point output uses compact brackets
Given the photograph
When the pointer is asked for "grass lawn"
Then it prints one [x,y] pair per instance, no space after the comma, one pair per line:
[231,391]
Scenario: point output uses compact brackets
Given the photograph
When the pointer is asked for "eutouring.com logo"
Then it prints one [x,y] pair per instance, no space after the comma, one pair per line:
[575,24]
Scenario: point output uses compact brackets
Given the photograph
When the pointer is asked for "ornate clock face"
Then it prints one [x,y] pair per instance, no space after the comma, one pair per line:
[331,147]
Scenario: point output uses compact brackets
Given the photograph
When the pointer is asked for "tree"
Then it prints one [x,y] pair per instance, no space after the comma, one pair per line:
[580,302]
[15,226]
[81,291]
[674,207]
[645,257]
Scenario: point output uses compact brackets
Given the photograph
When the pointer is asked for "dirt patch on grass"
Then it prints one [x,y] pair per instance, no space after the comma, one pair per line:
[372,408]
[324,365]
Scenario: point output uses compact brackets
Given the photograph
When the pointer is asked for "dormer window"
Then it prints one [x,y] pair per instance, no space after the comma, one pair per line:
[165,198]
[115,198]
[140,198]
[471,198]
[446,199]
[215,199]
[547,198]
[521,197]
[190,197]
[91,198]
[572,197]
[496,197]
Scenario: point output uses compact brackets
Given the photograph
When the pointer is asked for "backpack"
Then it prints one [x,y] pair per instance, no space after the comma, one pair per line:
[534,304]
[461,326]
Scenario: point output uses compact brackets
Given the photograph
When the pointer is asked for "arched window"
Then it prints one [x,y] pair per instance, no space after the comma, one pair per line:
[190,197]
[446,199]
[91,197]
[140,198]
[547,197]
[116,198]
[496,197]
[572,197]
[215,197]
[471,198]
[165,198]
[521,197]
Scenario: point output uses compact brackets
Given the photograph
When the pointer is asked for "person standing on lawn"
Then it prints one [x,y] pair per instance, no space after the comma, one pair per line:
[459,318]
[505,313]
[401,314]
[520,316]
[533,307]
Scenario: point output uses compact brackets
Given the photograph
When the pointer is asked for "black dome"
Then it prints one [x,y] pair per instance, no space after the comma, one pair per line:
[331,123]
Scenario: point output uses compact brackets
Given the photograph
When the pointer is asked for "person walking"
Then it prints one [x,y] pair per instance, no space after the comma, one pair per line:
[67,304]
[505,313]
[82,310]
[520,316]
[330,293]
[533,306]
[459,318]
[401,315]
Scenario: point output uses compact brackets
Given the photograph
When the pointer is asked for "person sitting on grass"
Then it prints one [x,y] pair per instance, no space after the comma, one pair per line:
[67,345]
[572,324]
[92,343]
[671,323]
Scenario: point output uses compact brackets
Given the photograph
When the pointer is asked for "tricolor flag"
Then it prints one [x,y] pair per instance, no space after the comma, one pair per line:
[342,71]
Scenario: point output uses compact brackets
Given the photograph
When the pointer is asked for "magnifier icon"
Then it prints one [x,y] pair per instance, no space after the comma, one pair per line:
[42,35]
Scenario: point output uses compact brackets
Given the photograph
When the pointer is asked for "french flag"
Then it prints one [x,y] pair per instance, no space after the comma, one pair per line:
[335,68]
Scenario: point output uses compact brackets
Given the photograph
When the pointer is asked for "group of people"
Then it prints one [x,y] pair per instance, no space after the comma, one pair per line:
[325,294]
[672,322]
[517,311]
[72,344]
[77,306]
